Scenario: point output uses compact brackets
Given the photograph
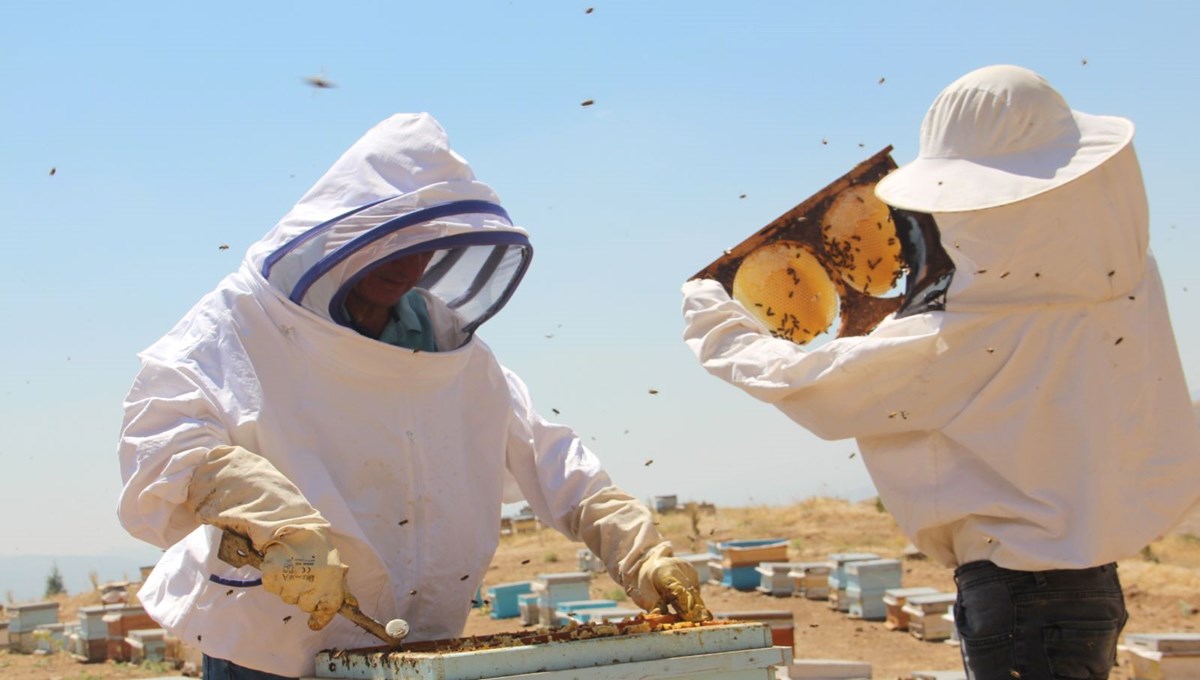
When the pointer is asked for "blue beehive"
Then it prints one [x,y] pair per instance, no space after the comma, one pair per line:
[504,598]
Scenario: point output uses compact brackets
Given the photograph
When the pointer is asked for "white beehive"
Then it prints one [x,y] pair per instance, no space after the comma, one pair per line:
[837,577]
[811,579]
[824,669]
[895,598]
[775,578]
[925,620]
[721,652]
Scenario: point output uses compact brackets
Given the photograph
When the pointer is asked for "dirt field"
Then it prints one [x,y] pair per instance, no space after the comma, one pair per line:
[1162,587]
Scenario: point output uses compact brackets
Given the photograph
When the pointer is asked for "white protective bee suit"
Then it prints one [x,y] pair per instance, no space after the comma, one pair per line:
[405,457]
[1040,420]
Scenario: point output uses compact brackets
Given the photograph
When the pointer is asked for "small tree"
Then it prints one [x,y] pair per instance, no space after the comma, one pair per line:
[54,583]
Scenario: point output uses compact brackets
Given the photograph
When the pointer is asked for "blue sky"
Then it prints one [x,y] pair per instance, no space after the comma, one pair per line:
[175,128]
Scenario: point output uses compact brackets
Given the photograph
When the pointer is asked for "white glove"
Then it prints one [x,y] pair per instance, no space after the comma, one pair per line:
[240,491]
[304,569]
[676,583]
[619,529]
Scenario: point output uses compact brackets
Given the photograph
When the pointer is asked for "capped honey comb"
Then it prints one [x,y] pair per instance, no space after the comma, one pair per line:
[860,241]
[784,285]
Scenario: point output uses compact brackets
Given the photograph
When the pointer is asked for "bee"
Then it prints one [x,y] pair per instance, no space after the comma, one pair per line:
[649,462]
[464,577]
[223,246]
[587,102]
[742,196]
[287,618]
[589,10]
[991,350]
[853,454]
[1083,62]
[1005,274]
[881,80]
[524,562]
[228,592]
[413,591]
[824,141]
[319,82]
[53,170]
[653,391]
[555,411]
[402,523]
[1119,340]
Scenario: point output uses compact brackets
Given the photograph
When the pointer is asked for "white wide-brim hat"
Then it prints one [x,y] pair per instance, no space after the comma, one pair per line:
[999,135]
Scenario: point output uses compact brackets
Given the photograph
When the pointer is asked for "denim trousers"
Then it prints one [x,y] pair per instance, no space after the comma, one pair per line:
[1060,624]
[220,669]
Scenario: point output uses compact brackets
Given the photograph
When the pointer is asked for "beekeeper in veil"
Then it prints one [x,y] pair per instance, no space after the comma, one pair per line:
[331,401]
[1033,426]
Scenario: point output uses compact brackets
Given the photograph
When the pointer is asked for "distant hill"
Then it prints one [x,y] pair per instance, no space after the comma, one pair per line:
[24,576]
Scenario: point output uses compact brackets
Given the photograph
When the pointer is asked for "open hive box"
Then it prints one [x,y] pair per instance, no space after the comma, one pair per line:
[640,647]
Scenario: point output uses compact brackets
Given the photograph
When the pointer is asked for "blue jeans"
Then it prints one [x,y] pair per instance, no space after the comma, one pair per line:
[1061,624]
[220,669]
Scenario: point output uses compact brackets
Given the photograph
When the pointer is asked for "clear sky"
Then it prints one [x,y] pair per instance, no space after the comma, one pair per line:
[175,128]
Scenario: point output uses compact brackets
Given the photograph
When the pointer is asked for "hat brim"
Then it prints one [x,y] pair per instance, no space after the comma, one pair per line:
[935,185]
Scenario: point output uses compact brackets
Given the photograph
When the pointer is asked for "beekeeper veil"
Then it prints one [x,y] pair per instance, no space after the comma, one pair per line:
[399,191]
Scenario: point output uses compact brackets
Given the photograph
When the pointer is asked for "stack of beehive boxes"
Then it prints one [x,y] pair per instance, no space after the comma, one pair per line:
[24,619]
[1162,656]
[811,580]
[775,578]
[740,559]
[121,620]
[837,577]
[561,587]
[926,616]
[866,582]
[895,598]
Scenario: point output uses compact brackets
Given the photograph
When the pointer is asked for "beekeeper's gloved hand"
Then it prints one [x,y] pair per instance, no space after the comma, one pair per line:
[304,569]
[620,530]
[677,585]
[240,491]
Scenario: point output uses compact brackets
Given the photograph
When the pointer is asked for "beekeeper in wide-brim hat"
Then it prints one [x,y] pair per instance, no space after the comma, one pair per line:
[1039,418]
[364,466]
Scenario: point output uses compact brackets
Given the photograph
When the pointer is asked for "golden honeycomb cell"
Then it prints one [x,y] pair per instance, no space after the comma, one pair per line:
[860,240]
[784,285]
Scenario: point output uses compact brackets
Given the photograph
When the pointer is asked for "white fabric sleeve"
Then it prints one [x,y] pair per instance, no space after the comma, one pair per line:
[171,424]
[848,387]
[568,490]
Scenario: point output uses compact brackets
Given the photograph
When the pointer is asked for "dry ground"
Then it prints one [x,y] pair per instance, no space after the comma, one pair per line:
[1162,587]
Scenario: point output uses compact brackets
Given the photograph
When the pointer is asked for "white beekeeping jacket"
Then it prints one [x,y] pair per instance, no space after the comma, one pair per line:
[1040,421]
[407,454]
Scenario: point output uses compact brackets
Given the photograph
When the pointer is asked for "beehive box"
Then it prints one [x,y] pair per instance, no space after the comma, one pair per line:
[895,598]
[148,644]
[589,562]
[560,587]
[775,578]
[837,577]
[565,611]
[1146,664]
[641,649]
[716,572]
[811,580]
[939,675]
[925,620]
[753,552]
[781,621]
[504,598]
[740,578]
[1162,656]
[606,614]
[824,669]
[23,619]
[529,609]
